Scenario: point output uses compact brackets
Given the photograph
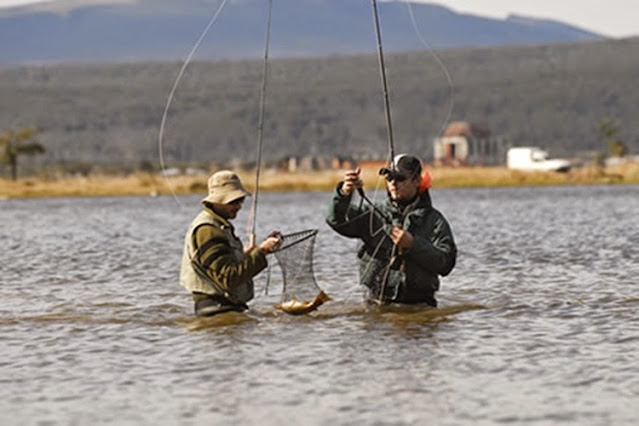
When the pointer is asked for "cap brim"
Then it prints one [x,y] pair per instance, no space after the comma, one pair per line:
[385,171]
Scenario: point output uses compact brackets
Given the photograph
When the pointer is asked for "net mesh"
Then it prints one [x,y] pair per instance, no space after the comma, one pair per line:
[295,259]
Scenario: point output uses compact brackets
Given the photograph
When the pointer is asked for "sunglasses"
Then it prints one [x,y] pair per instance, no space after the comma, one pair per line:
[397,177]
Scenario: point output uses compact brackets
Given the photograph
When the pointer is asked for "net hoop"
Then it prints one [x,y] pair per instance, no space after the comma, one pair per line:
[296,237]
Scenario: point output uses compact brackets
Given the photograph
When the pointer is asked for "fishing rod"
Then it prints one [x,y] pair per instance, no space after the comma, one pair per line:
[382,71]
[289,240]
[260,130]
[385,87]
[391,145]
[389,123]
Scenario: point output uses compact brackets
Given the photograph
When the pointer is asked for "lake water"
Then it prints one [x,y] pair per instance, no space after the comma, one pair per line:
[538,324]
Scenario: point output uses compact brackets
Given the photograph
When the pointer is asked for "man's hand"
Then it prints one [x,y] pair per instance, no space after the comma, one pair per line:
[352,181]
[272,242]
[403,239]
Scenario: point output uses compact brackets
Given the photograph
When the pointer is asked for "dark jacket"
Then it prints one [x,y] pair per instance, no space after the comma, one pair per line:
[408,277]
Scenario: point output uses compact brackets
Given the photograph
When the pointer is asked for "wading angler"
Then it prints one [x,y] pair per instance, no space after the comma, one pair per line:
[406,243]
[216,268]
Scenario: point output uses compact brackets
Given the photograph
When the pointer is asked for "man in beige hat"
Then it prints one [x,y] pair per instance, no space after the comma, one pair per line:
[216,268]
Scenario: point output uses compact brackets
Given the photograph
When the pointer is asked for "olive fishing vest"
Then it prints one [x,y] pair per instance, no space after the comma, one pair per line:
[196,281]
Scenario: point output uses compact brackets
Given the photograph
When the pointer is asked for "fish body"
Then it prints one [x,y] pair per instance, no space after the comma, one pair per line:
[298,307]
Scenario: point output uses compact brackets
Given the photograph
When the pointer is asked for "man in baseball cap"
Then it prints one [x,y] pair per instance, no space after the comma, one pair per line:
[403,263]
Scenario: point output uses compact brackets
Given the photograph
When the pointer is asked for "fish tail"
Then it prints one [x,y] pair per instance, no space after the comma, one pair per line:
[322,297]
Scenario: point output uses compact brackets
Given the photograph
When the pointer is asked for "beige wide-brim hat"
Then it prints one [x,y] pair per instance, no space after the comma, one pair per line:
[225,187]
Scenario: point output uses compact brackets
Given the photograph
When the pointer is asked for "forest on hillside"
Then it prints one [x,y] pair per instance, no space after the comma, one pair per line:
[552,96]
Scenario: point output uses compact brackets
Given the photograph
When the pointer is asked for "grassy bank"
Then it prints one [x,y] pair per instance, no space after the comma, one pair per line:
[150,184]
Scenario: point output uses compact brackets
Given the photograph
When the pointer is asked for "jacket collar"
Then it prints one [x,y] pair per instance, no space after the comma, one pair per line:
[222,221]
[422,204]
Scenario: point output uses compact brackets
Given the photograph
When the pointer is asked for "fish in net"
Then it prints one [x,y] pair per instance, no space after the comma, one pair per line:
[300,292]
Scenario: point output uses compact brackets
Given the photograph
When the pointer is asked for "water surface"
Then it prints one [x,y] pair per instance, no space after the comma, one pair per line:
[537,324]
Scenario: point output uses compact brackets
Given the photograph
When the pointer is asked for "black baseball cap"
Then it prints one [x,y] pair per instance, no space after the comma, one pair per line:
[403,164]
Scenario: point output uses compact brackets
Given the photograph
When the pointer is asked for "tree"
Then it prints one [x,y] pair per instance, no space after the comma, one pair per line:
[16,143]
[608,129]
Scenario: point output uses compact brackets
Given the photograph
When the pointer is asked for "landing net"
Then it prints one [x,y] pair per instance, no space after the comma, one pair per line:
[295,260]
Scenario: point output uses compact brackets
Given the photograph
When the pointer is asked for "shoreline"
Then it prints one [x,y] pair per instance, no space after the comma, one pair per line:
[325,180]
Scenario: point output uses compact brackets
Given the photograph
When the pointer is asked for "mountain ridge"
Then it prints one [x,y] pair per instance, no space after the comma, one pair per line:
[160,30]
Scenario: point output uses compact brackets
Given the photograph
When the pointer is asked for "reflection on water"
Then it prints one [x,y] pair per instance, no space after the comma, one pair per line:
[537,324]
[400,316]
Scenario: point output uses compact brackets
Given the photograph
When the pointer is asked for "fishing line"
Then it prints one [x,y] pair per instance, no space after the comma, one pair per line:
[380,299]
[172,94]
[251,224]
[439,62]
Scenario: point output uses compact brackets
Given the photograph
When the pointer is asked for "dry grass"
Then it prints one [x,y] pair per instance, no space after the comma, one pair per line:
[501,176]
[270,180]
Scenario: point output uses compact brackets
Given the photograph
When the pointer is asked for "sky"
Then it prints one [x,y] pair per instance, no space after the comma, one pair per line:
[611,18]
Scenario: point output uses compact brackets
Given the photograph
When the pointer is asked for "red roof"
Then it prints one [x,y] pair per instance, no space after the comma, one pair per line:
[464,128]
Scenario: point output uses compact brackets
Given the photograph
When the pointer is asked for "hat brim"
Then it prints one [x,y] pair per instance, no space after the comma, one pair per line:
[227,197]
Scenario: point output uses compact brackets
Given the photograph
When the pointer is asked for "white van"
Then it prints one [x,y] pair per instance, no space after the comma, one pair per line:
[531,158]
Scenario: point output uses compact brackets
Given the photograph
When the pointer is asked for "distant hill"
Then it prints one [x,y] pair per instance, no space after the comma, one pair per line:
[551,96]
[66,31]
